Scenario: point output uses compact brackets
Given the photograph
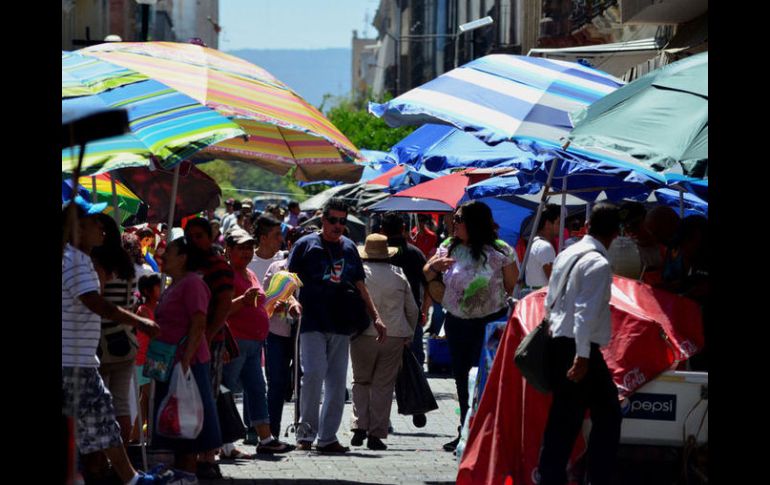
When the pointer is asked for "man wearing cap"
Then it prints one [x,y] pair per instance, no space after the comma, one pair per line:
[82,310]
[292,218]
[376,364]
[323,261]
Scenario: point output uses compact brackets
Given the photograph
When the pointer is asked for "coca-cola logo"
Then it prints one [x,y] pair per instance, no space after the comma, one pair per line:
[634,379]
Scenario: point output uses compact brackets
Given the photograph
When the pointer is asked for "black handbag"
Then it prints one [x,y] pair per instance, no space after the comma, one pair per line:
[531,355]
[413,393]
[230,421]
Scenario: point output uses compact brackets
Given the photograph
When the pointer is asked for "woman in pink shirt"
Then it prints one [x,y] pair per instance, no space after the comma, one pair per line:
[181,312]
[249,324]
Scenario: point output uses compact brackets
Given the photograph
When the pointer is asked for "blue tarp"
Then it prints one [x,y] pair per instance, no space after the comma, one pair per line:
[693,205]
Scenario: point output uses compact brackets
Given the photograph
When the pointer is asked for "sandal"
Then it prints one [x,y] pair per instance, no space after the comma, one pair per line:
[274,446]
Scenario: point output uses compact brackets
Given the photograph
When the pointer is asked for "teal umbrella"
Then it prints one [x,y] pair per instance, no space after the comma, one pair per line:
[661,119]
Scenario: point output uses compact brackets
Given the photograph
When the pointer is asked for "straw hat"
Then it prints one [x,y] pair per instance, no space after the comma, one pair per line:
[376,247]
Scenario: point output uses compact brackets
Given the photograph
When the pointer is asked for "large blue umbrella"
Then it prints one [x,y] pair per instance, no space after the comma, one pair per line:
[501,97]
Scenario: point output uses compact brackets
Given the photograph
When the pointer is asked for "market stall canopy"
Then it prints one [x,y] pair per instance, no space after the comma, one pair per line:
[359,195]
[283,130]
[196,191]
[693,205]
[660,119]
[500,97]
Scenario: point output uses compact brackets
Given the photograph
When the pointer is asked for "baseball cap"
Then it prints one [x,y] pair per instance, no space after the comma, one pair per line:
[230,201]
[238,236]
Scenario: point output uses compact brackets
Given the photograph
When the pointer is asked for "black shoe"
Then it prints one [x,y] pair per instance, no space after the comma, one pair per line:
[452,445]
[273,447]
[208,471]
[419,420]
[374,443]
[359,435]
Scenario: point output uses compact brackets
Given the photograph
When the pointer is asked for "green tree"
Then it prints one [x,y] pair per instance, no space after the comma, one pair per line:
[363,129]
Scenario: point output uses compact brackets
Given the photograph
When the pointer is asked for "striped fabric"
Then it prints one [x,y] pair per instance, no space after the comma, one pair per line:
[502,97]
[250,96]
[164,123]
[127,200]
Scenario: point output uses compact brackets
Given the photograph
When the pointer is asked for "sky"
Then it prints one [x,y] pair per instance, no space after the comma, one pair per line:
[293,24]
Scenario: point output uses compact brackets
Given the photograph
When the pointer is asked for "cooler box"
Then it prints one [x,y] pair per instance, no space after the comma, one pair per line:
[438,356]
[667,410]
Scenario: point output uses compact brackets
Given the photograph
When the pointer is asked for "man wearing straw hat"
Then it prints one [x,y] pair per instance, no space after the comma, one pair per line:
[325,261]
[375,364]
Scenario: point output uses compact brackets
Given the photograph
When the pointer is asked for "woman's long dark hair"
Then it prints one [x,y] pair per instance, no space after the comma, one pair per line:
[481,229]
[111,256]
[196,258]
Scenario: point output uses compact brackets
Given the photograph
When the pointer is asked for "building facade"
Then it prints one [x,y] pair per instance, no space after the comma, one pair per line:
[88,22]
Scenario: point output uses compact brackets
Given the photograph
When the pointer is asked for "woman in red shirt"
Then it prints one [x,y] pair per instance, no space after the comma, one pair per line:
[249,324]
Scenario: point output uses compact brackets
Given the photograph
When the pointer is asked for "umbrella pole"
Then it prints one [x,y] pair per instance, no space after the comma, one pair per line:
[116,210]
[94,195]
[172,206]
[681,204]
[533,231]
[562,213]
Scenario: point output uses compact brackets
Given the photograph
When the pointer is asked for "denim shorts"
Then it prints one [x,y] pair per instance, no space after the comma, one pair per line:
[96,426]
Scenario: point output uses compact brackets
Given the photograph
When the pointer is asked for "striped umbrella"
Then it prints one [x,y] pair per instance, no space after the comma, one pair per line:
[502,97]
[283,130]
[165,123]
[128,202]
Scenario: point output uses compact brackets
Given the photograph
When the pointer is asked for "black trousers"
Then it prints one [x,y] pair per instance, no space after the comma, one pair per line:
[597,393]
[465,338]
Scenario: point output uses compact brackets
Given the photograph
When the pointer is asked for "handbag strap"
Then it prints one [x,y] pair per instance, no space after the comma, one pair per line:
[565,279]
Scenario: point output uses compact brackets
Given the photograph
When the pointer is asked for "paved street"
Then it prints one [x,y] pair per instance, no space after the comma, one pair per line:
[414,455]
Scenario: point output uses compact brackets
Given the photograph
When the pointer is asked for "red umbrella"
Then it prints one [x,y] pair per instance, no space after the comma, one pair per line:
[196,191]
[384,179]
[652,331]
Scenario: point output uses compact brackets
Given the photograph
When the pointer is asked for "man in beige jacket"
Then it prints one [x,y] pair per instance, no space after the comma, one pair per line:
[376,364]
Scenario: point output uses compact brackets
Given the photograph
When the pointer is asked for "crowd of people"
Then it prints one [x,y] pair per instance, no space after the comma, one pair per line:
[213,309]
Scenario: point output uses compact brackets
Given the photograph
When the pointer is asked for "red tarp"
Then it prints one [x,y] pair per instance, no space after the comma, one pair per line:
[384,179]
[448,189]
[652,331]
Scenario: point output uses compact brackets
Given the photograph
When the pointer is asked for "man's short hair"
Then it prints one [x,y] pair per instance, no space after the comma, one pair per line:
[293,204]
[551,212]
[236,205]
[392,224]
[201,223]
[335,204]
[265,223]
[145,232]
[604,221]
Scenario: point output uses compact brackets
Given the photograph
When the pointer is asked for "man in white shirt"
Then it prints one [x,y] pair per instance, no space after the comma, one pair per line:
[269,239]
[580,325]
[233,211]
[542,254]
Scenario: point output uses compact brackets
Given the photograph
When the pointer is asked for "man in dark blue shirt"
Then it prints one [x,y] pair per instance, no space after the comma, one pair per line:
[321,260]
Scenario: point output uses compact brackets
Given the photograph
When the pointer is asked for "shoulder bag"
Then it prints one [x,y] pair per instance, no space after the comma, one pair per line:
[531,355]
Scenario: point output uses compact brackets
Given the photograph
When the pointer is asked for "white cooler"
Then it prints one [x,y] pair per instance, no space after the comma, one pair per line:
[667,410]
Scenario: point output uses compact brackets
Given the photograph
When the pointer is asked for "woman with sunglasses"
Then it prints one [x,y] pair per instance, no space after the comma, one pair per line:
[479,272]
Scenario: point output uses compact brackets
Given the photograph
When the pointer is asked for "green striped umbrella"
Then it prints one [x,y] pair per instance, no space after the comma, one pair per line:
[165,124]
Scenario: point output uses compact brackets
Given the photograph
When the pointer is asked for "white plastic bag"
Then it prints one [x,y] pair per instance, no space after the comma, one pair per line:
[181,412]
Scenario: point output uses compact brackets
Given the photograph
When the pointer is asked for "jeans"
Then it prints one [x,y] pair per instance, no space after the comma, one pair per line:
[466,338]
[278,356]
[324,360]
[247,368]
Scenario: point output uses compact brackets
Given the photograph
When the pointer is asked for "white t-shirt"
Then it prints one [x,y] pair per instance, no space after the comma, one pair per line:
[542,253]
[259,265]
[80,327]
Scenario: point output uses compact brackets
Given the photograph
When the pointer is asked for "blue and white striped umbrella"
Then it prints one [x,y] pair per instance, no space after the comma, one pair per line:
[502,97]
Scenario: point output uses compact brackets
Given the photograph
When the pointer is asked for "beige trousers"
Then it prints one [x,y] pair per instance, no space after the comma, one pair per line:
[375,367]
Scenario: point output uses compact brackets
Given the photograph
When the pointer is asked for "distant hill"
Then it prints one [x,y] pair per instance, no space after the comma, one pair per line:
[311,73]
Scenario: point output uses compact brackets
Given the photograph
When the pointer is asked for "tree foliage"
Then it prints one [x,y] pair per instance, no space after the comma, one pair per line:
[363,129]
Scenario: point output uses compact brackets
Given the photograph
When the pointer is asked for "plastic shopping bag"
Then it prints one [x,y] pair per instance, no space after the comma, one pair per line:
[181,411]
[413,393]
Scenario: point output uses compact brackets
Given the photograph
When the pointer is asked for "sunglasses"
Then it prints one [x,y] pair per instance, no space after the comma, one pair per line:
[335,220]
[458,219]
